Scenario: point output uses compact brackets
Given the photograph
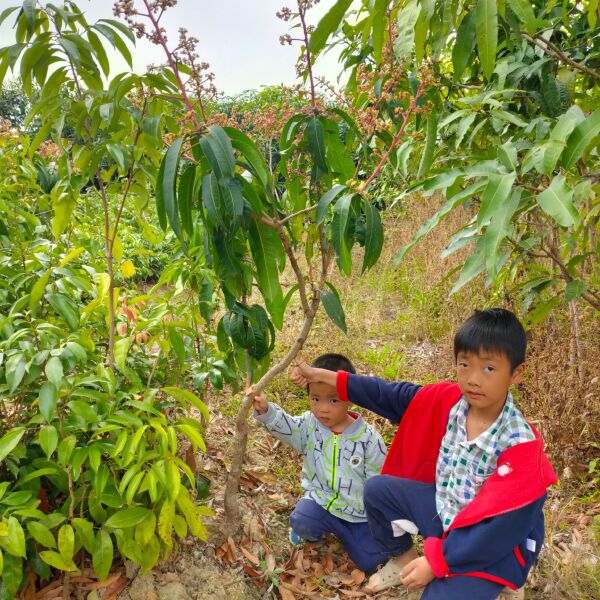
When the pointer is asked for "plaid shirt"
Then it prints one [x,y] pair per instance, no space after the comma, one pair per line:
[463,465]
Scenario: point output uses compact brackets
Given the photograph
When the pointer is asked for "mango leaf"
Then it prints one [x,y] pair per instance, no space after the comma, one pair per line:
[315,138]
[326,199]
[102,555]
[41,534]
[373,236]
[159,197]
[266,247]
[48,438]
[85,533]
[524,11]
[430,144]
[333,307]
[241,142]
[63,205]
[496,192]
[574,289]
[327,25]
[474,265]
[15,539]
[486,22]
[9,441]
[48,397]
[407,18]
[462,50]
[558,137]
[66,308]
[128,517]
[580,139]
[499,228]
[185,198]
[218,150]
[127,269]
[165,522]
[168,186]
[378,15]
[341,212]
[557,201]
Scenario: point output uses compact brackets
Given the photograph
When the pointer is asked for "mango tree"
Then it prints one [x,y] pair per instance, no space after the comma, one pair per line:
[254,217]
[512,132]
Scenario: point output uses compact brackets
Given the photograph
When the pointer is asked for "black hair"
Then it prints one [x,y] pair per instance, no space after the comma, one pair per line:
[334,362]
[493,330]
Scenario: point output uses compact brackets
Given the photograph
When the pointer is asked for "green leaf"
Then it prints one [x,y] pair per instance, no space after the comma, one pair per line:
[486,22]
[66,542]
[54,559]
[496,192]
[474,265]
[48,437]
[65,449]
[185,198]
[499,228]
[580,139]
[462,50]
[128,517]
[266,247]
[102,555]
[558,137]
[160,200]
[430,144]
[168,187]
[407,19]
[9,441]
[178,346]
[66,309]
[316,142]
[121,350]
[15,540]
[373,236]
[41,534]
[326,199]
[524,11]
[218,150]
[54,371]
[241,142]
[574,289]
[378,15]
[333,308]
[186,397]
[48,397]
[341,213]
[85,533]
[14,371]
[233,202]
[557,201]
[327,25]
[37,291]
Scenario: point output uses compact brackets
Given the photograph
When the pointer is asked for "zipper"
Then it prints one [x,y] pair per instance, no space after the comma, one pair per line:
[334,459]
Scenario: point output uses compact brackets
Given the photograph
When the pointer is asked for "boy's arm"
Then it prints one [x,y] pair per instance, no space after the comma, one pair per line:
[390,400]
[285,427]
[478,546]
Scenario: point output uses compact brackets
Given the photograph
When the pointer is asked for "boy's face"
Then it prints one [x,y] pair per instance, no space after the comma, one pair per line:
[484,378]
[326,406]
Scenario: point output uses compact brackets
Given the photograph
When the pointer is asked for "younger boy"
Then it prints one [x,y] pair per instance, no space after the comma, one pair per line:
[341,451]
[465,470]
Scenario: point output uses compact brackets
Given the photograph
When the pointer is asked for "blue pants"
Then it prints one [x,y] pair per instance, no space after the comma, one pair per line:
[389,499]
[311,521]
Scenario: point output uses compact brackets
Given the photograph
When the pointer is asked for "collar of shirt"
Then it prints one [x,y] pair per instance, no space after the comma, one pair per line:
[487,440]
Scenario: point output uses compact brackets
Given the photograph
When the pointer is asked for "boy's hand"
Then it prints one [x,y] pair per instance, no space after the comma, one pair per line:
[301,374]
[261,406]
[417,573]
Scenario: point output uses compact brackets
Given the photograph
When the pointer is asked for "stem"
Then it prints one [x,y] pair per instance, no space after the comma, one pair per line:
[173,67]
[405,117]
[108,243]
[313,101]
[296,214]
[554,51]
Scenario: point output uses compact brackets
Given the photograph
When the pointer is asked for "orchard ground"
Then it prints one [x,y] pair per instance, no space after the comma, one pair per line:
[400,326]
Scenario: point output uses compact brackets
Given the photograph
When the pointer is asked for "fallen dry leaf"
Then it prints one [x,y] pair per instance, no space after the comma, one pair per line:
[268,478]
[99,585]
[352,593]
[358,576]
[250,556]
[170,577]
[286,594]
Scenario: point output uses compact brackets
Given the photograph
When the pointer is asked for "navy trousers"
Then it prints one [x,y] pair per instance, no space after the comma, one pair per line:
[311,521]
[389,499]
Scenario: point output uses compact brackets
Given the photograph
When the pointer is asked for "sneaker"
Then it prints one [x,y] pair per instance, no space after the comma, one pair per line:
[295,539]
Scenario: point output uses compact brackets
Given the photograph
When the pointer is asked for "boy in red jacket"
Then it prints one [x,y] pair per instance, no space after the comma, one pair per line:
[465,470]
